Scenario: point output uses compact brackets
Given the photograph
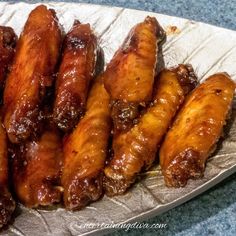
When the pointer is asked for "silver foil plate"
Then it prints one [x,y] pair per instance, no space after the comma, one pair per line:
[209,49]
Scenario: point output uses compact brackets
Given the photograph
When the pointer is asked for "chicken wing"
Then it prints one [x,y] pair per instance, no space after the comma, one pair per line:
[36,56]
[37,168]
[130,74]
[8,40]
[77,69]
[85,151]
[137,148]
[196,130]
[7,204]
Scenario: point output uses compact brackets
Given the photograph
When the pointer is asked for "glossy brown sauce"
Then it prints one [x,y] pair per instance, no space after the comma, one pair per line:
[77,70]
[34,63]
[136,149]
[196,130]
[130,74]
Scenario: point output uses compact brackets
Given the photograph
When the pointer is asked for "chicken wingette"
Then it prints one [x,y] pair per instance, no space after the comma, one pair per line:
[7,204]
[196,129]
[130,74]
[76,71]
[35,59]
[8,40]
[136,149]
[85,151]
[37,168]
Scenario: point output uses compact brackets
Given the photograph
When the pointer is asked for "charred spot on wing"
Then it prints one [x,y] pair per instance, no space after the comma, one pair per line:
[124,114]
[8,41]
[8,37]
[99,62]
[7,206]
[81,192]
[159,31]
[66,117]
[218,91]
[72,41]
[186,77]
[187,165]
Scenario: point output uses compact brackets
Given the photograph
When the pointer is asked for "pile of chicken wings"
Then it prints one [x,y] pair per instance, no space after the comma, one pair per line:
[71,131]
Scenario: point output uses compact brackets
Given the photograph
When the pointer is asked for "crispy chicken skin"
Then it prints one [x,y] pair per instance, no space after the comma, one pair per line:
[136,149]
[130,74]
[77,69]
[8,40]
[197,128]
[36,56]
[7,204]
[37,167]
[85,151]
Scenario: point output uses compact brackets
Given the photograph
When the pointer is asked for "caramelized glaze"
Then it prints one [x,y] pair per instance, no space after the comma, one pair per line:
[7,204]
[85,151]
[130,74]
[36,56]
[136,149]
[8,40]
[76,71]
[196,130]
[37,168]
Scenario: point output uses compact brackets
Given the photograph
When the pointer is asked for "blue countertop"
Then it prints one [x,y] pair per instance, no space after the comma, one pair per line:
[213,212]
[217,12]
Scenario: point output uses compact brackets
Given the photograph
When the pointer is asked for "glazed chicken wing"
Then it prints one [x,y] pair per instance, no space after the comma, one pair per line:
[7,49]
[130,74]
[85,151]
[137,148]
[36,56]
[37,168]
[77,69]
[7,204]
[196,130]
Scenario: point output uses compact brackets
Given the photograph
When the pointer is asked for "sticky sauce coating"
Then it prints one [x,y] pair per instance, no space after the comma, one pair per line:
[36,56]
[85,151]
[130,74]
[136,149]
[196,130]
[7,204]
[76,71]
[37,168]
[8,40]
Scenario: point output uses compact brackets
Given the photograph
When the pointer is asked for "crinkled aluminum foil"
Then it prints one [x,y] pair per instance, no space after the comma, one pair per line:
[209,49]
